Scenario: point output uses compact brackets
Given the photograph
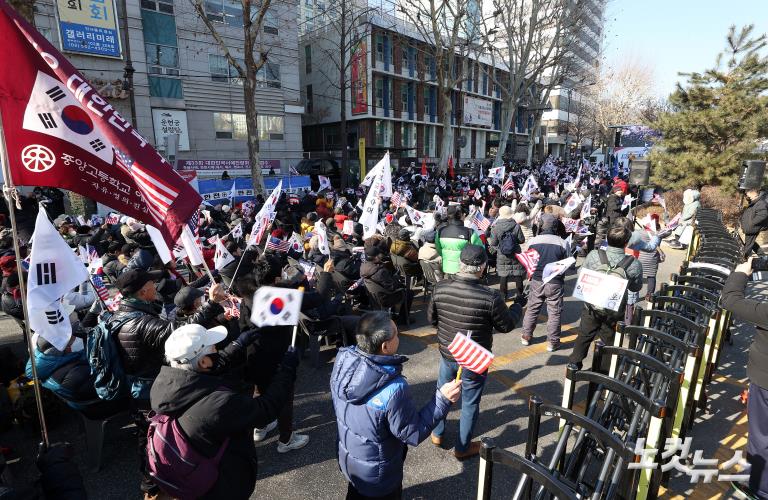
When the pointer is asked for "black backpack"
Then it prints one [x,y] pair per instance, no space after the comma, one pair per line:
[508,244]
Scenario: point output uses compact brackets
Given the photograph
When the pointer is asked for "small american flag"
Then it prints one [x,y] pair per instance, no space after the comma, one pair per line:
[278,245]
[98,285]
[396,199]
[479,221]
[470,354]
[529,259]
[508,186]
[113,218]
[232,306]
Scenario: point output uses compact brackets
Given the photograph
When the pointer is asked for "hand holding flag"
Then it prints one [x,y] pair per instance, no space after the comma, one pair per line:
[469,354]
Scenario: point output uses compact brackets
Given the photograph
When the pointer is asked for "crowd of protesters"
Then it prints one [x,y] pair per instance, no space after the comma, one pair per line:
[191,356]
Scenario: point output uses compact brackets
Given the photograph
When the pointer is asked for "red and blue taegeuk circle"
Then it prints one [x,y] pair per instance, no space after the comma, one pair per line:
[276,306]
[77,120]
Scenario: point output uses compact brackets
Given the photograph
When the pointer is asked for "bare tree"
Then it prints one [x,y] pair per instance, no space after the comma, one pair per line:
[255,55]
[25,8]
[443,25]
[623,95]
[345,26]
[530,38]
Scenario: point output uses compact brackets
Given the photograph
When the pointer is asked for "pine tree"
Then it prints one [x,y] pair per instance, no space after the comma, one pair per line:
[717,119]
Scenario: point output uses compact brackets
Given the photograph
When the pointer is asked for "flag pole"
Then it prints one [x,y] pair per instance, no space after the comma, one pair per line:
[9,191]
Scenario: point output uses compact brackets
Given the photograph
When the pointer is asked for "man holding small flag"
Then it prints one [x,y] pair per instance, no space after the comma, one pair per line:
[462,305]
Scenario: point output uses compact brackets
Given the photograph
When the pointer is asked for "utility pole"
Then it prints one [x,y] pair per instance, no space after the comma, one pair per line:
[128,70]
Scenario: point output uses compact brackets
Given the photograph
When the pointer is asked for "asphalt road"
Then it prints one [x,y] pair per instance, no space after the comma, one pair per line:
[430,472]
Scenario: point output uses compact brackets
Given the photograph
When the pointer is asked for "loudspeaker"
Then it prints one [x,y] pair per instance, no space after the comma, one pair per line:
[753,175]
[640,173]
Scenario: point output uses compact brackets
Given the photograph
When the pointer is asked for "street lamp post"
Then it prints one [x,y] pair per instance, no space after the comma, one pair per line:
[568,128]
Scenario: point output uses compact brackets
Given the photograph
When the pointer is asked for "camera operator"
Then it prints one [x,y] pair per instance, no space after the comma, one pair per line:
[754,219]
[757,370]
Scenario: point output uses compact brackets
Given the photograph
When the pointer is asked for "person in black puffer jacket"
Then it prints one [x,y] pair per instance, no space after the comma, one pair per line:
[463,304]
[507,266]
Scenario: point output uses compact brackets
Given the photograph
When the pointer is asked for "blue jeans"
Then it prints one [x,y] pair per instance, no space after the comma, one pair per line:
[471,389]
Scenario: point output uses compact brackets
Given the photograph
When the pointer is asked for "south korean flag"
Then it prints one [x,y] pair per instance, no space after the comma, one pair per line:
[276,306]
[54,111]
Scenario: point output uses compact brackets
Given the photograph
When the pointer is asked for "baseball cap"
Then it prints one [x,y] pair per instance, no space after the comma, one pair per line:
[188,341]
[132,280]
[473,255]
[187,296]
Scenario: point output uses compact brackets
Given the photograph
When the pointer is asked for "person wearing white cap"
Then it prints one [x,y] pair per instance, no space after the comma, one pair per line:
[212,411]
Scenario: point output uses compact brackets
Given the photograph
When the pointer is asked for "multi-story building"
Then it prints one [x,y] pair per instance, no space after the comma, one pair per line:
[392,100]
[182,83]
[562,125]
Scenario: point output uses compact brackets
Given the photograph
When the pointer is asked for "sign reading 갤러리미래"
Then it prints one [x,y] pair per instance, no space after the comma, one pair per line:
[89,27]
[600,289]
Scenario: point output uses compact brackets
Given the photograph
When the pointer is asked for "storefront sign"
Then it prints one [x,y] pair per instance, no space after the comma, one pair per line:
[478,112]
[171,121]
[89,27]
[228,165]
[359,78]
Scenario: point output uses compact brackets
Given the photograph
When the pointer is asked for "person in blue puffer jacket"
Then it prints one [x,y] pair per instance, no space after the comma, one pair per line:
[375,414]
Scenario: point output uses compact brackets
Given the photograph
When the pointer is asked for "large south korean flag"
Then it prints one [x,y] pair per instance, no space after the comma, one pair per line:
[53,110]
[276,306]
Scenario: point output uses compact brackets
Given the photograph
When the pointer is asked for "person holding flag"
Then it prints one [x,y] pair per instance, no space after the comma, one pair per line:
[464,304]
[550,248]
[504,241]
[375,413]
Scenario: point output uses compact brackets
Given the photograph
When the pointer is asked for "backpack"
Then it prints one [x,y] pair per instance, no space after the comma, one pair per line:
[619,270]
[177,468]
[508,244]
[104,357]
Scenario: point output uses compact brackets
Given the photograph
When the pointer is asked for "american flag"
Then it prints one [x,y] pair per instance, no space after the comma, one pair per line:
[158,194]
[470,354]
[480,222]
[278,245]
[396,199]
[92,253]
[232,306]
[114,303]
[113,218]
[529,259]
[508,185]
[98,285]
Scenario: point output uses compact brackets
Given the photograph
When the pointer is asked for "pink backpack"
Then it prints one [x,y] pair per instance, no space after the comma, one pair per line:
[177,468]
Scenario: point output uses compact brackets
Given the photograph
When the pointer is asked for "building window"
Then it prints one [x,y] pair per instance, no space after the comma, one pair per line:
[269,76]
[404,97]
[379,84]
[221,71]
[162,59]
[383,133]
[429,67]
[271,23]
[380,48]
[165,87]
[407,135]
[406,60]
[230,126]
[271,128]
[426,103]
[310,99]
[428,133]
[308,59]
[229,12]
[164,6]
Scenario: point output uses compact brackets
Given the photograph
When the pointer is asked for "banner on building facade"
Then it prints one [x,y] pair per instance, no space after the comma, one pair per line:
[478,112]
[168,122]
[217,191]
[89,27]
[359,78]
[228,165]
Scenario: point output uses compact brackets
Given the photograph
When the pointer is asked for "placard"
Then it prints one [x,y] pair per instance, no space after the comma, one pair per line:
[600,289]
[89,27]
[171,121]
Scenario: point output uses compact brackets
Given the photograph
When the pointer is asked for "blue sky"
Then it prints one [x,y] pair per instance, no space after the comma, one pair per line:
[675,35]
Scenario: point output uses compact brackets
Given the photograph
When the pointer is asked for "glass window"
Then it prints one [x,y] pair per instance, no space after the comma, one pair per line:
[308,59]
[164,6]
[230,126]
[271,23]
[407,136]
[270,127]
[221,71]
[380,48]
[269,75]
[379,84]
[406,61]
[429,69]
[229,12]
[428,131]
[426,103]
[162,60]
[383,133]
[310,99]
[165,87]
[404,97]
